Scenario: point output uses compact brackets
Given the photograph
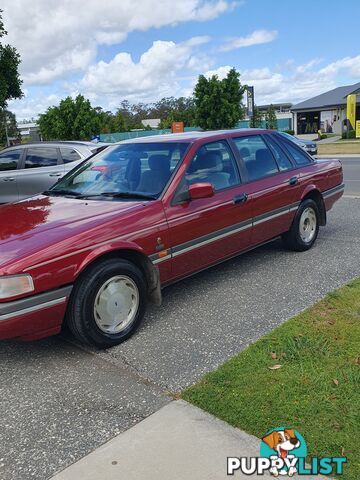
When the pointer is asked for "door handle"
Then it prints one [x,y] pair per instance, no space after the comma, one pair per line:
[55,174]
[293,181]
[8,179]
[240,198]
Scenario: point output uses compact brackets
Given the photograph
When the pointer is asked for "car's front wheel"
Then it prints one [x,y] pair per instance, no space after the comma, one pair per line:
[305,227]
[107,303]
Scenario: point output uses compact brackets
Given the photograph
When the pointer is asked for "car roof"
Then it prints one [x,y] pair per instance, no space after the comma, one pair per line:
[193,136]
[78,143]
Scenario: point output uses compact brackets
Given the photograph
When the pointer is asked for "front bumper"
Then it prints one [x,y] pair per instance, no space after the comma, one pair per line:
[34,317]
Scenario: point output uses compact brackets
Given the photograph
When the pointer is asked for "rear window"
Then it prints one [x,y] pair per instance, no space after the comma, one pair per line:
[300,157]
[41,157]
[279,154]
[69,154]
[9,160]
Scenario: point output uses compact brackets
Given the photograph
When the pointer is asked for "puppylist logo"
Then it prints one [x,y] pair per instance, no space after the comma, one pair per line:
[283,452]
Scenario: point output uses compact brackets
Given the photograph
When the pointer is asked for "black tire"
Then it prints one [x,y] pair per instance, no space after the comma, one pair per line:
[292,239]
[80,316]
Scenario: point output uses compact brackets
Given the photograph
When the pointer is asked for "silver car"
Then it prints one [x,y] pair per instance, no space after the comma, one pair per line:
[28,169]
[309,146]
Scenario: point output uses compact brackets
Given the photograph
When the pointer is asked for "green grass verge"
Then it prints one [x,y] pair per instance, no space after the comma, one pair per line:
[316,390]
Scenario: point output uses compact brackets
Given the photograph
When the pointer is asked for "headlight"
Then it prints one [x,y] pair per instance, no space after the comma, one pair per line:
[14,285]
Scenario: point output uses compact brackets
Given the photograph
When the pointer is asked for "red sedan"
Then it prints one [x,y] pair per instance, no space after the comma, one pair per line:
[95,248]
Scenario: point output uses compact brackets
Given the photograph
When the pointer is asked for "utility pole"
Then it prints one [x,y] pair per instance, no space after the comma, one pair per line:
[6,129]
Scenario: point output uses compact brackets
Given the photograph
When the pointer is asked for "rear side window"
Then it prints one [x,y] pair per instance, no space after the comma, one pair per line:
[257,157]
[69,155]
[9,160]
[296,153]
[279,154]
[41,157]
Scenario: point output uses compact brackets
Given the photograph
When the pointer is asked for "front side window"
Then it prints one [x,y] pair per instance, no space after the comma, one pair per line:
[125,170]
[257,157]
[41,157]
[9,160]
[69,154]
[300,157]
[213,163]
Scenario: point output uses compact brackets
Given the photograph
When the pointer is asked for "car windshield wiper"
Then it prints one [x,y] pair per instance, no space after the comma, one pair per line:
[119,195]
[62,192]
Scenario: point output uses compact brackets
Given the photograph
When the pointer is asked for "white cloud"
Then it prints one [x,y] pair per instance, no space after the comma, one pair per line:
[55,38]
[347,64]
[255,38]
[31,105]
[220,72]
[296,83]
[156,74]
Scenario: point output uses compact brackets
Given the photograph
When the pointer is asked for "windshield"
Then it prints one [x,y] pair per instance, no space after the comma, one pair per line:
[131,170]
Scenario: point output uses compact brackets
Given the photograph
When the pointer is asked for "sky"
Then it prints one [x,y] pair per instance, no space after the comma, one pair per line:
[143,50]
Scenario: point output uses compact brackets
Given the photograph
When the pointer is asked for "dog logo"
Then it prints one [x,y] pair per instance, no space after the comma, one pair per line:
[283,451]
[283,446]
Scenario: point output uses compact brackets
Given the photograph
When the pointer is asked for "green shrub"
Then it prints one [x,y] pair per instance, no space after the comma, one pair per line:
[322,136]
[290,132]
[350,134]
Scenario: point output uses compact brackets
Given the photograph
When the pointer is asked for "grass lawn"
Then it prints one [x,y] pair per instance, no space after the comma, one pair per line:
[315,391]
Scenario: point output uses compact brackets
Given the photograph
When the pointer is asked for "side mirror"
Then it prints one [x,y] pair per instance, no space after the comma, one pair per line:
[201,190]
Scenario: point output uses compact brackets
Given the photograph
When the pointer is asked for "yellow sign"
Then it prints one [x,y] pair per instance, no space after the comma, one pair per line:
[358,129]
[351,109]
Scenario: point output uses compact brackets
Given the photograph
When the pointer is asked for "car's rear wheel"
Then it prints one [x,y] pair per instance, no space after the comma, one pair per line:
[107,303]
[305,227]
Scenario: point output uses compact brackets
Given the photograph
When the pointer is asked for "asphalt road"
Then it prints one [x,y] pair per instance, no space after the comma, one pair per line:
[59,402]
[351,168]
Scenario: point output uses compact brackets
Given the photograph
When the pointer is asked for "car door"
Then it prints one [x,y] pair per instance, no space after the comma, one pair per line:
[272,185]
[205,231]
[41,167]
[9,164]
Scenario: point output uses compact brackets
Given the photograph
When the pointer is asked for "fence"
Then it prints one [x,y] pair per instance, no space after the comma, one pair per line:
[119,136]
[283,124]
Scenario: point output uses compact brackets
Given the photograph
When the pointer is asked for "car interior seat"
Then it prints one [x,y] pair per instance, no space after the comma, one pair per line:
[263,164]
[210,169]
[154,179]
[133,173]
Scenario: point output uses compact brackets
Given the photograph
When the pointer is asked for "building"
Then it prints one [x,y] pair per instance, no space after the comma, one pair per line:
[151,122]
[29,129]
[325,112]
[283,114]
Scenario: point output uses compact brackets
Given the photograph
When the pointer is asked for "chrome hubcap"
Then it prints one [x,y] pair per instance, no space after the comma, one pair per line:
[116,304]
[308,225]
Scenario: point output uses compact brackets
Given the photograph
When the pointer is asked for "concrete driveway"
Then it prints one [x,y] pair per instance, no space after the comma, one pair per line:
[59,402]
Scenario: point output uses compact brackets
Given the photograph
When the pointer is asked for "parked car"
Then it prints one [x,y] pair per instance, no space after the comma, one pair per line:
[97,246]
[32,168]
[307,145]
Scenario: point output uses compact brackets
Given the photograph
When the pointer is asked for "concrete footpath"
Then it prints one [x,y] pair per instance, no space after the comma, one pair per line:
[179,441]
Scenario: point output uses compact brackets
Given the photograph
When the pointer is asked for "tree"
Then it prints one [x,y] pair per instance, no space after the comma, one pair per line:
[12,130]
[218,103]
[73,119]
[10,83]
[270,118]
[183,110]
[256,119]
